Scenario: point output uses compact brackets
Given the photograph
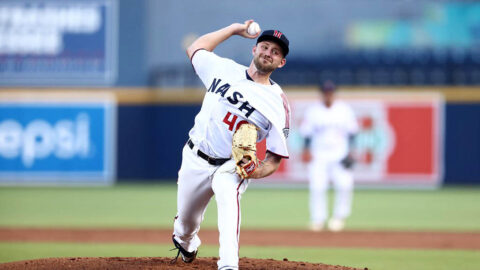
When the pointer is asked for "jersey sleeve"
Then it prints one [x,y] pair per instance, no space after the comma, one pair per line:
[207,65]
[276,138]
[307,125]
[276,145]
[352,123]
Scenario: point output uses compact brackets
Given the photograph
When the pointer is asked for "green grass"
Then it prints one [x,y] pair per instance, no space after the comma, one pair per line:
[119,206]
[154,206]
[446,209]
[374,259]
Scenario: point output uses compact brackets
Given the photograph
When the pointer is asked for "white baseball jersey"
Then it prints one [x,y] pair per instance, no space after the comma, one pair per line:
[329,129]
[232,98]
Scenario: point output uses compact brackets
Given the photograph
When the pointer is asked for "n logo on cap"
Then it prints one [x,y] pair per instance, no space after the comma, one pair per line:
[277,34]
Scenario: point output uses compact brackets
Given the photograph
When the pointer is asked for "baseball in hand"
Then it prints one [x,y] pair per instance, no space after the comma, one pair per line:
[253,29]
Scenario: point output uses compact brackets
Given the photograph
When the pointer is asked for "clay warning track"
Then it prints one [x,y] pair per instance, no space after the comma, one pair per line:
[351,239]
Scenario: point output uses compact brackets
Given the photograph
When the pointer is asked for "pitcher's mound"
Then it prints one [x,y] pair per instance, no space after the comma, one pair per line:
[121,263]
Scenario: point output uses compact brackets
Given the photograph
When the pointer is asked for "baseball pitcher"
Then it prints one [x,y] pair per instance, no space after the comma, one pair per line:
[241,107]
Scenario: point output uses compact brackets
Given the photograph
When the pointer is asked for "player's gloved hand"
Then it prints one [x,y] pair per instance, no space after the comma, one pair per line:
[247,166]
[348,161]
[244,150]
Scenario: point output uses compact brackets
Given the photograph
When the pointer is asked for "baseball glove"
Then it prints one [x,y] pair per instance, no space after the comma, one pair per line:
[244,150]
[348,162]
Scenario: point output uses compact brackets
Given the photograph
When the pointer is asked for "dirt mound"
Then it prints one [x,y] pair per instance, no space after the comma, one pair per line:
[161,263]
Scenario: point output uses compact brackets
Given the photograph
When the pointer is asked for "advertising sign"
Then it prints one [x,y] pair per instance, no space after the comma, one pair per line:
[399,142]
[48,42]
[57,140]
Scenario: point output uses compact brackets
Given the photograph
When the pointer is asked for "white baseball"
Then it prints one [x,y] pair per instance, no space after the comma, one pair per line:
[253,29]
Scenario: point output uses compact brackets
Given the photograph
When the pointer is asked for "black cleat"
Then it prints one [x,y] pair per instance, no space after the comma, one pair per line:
[187,257]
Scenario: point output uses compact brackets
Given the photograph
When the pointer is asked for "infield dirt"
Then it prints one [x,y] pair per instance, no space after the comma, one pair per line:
[357,239]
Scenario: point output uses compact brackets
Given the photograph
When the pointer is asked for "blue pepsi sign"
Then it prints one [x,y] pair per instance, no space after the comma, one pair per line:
[57,142]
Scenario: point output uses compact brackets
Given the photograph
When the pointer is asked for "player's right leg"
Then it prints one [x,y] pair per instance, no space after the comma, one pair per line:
[318,186]
[343,183]
[193,195]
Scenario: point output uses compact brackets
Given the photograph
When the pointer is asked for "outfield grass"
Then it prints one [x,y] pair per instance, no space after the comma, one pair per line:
[154,206]
[374,259]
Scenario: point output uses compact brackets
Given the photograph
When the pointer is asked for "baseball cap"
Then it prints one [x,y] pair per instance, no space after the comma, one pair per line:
[328,86]
[277,37]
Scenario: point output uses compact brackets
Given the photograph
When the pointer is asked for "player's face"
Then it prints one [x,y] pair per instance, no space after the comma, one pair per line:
[268,56]
[328,97]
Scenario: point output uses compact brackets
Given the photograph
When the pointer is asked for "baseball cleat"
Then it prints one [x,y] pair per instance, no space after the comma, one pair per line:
[316,227]
[336,225]
[187,257]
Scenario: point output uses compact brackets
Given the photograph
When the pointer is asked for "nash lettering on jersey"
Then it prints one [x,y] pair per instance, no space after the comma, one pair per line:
[234,99]
[221,90]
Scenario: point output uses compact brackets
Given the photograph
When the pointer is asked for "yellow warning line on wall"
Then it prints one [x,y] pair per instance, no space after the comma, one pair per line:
[133,96]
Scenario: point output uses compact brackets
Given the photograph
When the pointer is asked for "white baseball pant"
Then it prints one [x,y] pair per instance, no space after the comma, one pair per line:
[197,182]
[321,171]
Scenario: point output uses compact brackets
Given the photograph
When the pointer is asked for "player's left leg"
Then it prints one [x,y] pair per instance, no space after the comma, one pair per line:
[228,188]
[318,187]
[343,184]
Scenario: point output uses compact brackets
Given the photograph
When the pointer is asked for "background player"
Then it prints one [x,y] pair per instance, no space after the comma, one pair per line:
[329,127]
[235,94]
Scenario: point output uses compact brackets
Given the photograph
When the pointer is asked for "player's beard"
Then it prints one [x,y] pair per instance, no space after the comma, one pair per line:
[263,68]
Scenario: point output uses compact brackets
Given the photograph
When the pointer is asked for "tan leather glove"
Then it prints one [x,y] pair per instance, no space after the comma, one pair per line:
[244,150]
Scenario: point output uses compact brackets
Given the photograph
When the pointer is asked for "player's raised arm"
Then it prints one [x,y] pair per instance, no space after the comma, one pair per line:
[211,40]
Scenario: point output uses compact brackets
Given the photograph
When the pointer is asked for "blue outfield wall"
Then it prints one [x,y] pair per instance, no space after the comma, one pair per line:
[462,143]
[151,138]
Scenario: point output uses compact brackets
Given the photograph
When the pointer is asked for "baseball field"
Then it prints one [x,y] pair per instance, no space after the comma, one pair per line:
[129,227]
